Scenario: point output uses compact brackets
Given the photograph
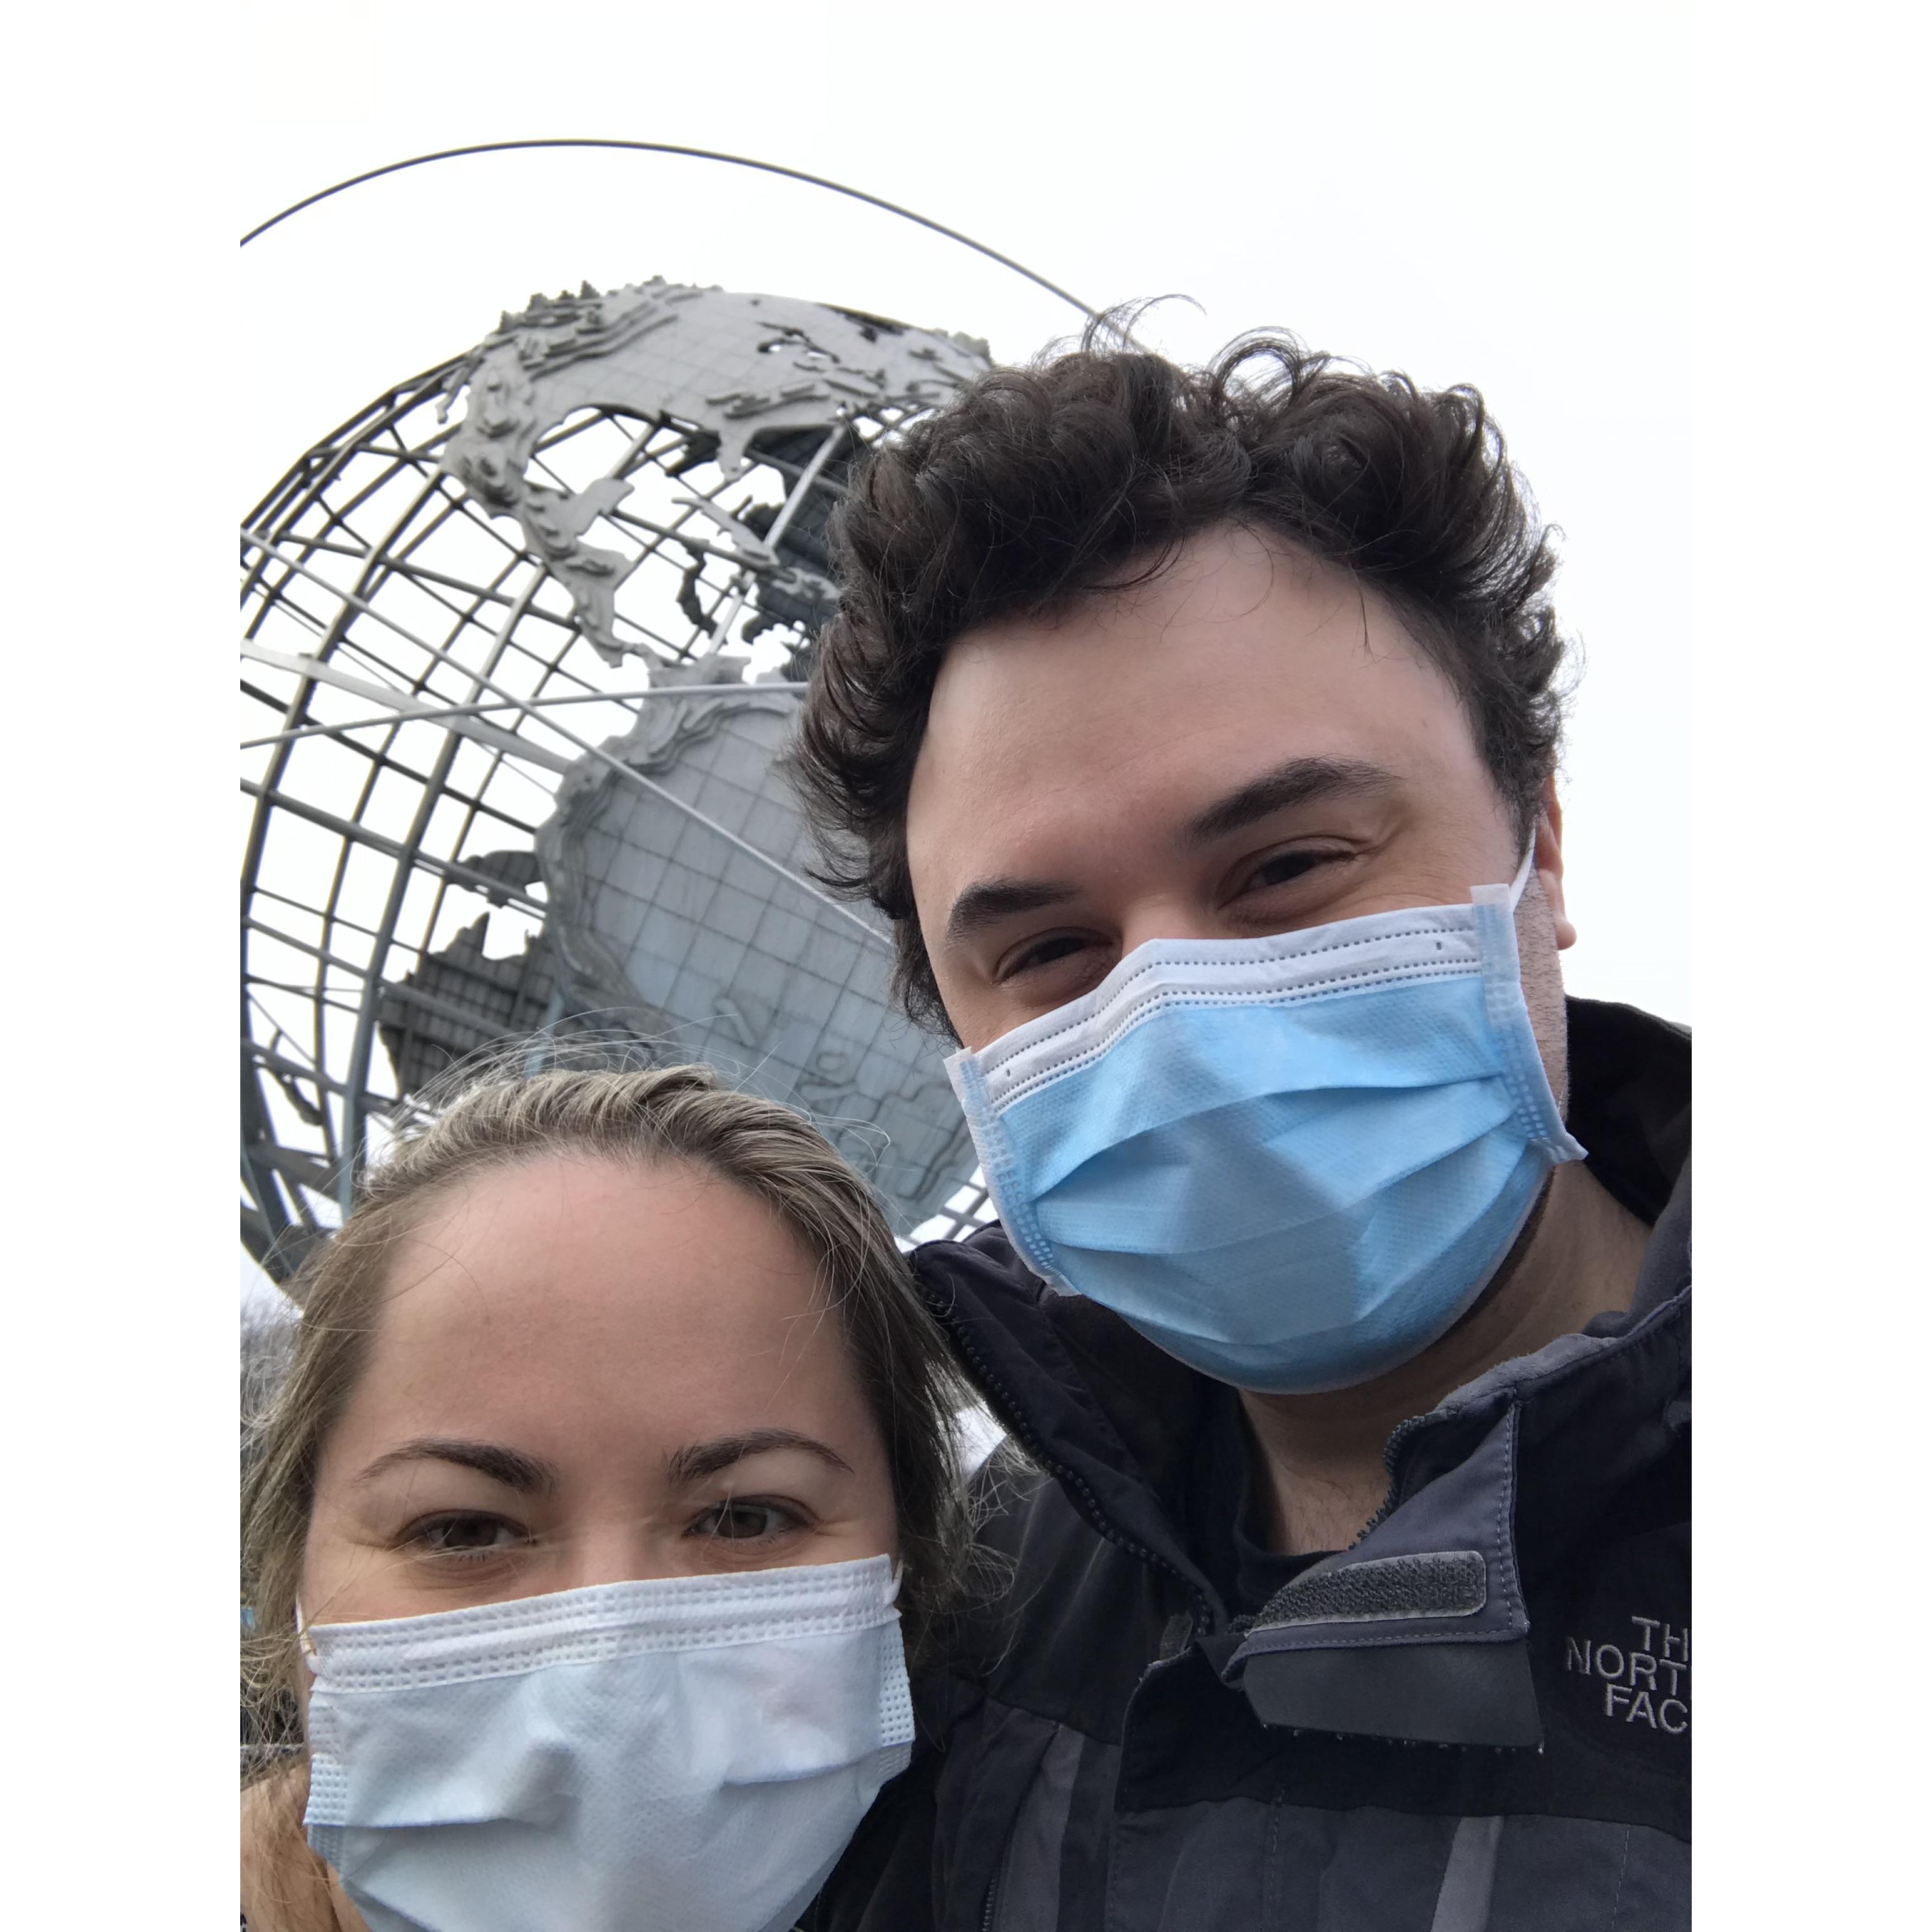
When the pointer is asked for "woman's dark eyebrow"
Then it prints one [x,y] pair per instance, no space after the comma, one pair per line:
[697,1460]
[512,1467]
[1299,781]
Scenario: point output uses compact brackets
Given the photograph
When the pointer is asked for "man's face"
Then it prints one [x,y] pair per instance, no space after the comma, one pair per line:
[1247,745]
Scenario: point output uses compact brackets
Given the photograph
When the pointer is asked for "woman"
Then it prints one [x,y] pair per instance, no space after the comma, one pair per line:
[613,1453]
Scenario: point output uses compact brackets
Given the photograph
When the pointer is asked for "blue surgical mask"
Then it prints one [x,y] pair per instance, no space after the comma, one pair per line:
[693,1752]
[1293,1163]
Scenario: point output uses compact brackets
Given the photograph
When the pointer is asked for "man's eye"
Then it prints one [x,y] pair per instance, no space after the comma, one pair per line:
[746,1521]
[1043,952]
[464,1535]
[1281,868]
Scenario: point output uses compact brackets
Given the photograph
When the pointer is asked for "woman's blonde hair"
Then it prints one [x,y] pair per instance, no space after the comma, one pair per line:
[677,1113]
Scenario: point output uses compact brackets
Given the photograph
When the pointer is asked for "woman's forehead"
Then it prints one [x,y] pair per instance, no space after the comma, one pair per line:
[637,1291]
[595,1219]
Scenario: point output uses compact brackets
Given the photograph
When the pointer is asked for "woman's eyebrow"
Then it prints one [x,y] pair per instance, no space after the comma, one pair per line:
[512,1467]
[697,1460]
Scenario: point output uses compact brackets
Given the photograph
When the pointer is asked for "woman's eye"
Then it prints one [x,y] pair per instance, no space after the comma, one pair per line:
[747,1522]
[464,1535]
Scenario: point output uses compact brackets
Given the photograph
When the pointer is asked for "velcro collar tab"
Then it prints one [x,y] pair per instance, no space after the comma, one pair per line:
[1383,1589]
[1441,1571]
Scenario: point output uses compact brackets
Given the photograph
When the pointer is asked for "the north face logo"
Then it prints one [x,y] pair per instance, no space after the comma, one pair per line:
[1645,1680]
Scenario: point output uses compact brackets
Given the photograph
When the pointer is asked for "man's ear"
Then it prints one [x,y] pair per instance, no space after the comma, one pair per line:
[1548,862]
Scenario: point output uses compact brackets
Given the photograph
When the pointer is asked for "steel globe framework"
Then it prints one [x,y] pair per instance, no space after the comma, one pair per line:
[521,643]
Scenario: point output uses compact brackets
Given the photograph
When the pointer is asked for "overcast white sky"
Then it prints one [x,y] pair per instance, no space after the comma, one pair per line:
[1494,195]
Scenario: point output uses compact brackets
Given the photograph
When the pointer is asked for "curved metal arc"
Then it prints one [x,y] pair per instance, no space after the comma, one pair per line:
[692,153]
[345,1147]
[410,860]
[341,444]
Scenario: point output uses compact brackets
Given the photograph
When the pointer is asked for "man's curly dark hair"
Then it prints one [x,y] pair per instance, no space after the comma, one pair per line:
[1082,474]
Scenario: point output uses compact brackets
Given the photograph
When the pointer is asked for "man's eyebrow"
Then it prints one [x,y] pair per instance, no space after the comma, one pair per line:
[512,1467]
[1299,781]
[992,900]
[697,1460]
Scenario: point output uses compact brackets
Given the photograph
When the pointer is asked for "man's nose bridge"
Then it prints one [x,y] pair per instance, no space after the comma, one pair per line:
[1170,916]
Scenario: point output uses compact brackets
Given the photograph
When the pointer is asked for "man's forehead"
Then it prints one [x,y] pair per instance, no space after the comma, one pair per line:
[1237,657]
[1216,577]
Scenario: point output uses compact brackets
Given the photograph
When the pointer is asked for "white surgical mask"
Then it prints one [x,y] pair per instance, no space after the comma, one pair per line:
[691,1753]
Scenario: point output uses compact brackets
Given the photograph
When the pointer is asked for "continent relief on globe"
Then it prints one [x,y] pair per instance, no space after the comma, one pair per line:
[740,366]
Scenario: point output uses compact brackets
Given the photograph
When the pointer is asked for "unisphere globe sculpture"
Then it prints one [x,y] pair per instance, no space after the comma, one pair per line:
[521,642]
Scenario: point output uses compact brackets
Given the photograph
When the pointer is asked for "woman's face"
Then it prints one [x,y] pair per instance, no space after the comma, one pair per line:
[586,1371]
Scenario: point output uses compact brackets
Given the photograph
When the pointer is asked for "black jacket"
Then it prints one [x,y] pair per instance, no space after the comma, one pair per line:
[1478,1717]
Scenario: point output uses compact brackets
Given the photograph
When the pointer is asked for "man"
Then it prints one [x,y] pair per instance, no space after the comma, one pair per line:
[1197,732]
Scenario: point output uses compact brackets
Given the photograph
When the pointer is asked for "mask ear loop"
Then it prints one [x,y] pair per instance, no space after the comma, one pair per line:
[1522,872]
[303,1641]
